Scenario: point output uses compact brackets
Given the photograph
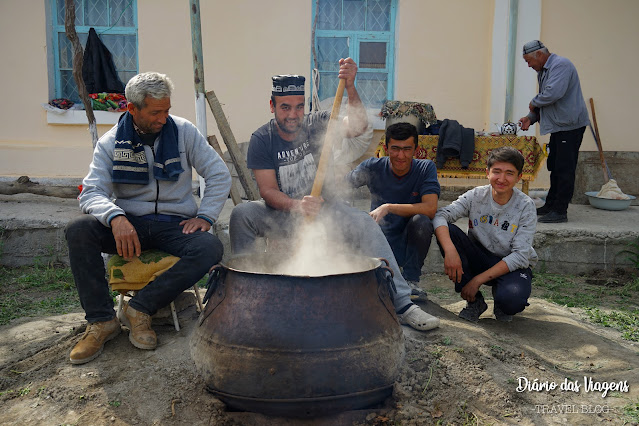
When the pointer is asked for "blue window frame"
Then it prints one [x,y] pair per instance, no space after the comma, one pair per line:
[363,30]
[115,21]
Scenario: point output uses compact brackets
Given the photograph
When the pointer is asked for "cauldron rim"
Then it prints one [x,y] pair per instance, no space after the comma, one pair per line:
[373,263]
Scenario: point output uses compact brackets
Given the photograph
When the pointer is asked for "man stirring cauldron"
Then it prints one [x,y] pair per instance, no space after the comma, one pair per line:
[283,155]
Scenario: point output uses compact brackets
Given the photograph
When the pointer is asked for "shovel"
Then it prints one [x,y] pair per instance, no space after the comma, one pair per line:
[610,189]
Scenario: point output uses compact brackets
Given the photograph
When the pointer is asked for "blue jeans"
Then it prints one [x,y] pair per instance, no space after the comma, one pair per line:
[411,245]
[256,219]
[87,239]
[510,291]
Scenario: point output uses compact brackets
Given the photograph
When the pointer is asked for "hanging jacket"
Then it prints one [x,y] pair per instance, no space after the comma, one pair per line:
[98,69]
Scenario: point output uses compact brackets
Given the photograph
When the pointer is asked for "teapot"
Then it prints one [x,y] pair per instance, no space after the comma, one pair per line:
[508,128]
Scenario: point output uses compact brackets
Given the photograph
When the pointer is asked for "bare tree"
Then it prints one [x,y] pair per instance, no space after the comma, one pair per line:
[78,59]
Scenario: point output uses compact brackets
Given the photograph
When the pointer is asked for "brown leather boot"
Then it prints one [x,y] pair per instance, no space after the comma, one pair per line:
[93,340]
[141,335]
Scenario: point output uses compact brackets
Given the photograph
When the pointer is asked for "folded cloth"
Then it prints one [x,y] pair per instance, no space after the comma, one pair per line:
[129,160]
[136,273]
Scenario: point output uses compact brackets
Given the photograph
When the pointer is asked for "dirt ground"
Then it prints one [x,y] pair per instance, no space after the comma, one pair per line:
[461,373]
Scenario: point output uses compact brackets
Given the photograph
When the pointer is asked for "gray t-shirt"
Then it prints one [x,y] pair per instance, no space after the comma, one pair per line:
[295,163]
[506,231]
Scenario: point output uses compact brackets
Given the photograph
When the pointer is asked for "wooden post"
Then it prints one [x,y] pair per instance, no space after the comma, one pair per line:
[234,150]
[225,130]
[235,193]
[78,59]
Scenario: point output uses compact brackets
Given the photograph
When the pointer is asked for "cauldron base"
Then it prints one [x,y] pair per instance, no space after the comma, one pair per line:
[305,407]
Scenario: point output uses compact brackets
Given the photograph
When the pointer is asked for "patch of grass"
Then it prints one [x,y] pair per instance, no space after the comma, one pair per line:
[632,253]
[31,291]
[571,291]
[563,290]
[25,390]
[115,403]
[631,412]
[625,321]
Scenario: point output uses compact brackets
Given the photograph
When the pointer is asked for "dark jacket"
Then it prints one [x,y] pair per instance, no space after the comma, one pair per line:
[98,69]
[455,141]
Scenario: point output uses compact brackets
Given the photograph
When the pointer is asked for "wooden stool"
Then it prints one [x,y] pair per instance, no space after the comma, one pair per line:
[130,276]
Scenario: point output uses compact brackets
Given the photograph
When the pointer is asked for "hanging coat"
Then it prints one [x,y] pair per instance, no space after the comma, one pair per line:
[98,69]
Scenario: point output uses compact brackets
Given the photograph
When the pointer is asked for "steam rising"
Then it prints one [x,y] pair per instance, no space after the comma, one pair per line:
[315,249]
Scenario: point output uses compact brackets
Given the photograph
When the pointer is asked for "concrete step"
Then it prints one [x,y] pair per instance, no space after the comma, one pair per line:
[32,230]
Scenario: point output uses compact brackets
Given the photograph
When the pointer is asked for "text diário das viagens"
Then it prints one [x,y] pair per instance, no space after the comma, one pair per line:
[588,385]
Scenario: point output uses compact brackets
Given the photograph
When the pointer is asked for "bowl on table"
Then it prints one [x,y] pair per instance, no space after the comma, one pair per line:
[608,203]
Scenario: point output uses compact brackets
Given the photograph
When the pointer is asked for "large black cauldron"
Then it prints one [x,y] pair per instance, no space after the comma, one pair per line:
[298,346]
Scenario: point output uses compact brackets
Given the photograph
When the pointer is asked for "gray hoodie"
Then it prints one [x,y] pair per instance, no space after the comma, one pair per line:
[506,231]
[105,200]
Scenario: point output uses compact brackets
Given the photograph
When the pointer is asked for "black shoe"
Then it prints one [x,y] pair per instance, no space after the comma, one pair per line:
[501,315]
[473,310]
[553,217]
[416,293]
[545,209]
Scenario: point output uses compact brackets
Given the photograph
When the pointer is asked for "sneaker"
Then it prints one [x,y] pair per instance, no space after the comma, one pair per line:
[418,319]
[501,315]
[545,209]
[141,335]
[473,310]
[90,345]
[553,217]
[416,293]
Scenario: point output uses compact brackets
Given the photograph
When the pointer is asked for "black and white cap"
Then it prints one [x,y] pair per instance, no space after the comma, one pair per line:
[287,85]
[533,46]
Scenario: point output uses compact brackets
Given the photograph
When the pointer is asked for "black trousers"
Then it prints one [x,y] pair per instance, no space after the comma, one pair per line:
[87,239]
[411,246]
[510,291]
[562,164]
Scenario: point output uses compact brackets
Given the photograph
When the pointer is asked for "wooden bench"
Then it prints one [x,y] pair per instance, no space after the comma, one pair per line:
[533,153]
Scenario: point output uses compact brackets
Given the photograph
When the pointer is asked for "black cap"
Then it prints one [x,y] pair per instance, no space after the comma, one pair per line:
[287,85]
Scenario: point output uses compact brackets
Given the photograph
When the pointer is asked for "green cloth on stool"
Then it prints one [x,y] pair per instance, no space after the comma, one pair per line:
[136,273]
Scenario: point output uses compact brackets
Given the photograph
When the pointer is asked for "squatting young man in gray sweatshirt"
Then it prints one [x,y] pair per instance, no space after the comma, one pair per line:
[497,251]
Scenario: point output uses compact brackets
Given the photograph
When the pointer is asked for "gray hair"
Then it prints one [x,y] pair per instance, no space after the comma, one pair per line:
[153,84]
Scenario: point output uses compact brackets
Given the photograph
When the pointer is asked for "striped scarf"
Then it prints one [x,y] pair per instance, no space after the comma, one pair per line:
[130,164]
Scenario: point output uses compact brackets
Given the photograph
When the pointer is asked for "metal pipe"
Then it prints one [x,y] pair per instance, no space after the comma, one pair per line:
[513,13]
[198,67]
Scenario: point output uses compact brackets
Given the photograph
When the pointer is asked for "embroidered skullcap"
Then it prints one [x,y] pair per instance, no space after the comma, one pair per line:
[287,85]
[533,46]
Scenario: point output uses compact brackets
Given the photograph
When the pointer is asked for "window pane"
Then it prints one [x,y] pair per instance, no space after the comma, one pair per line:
[125,76]
[372,55]
[330,51]
[66,49]
[123,49]
[328,85]
[372,88]
[329,14]
[122,10]
[378,16]
[96,13]
[68,88]
[354,15]
[61,11]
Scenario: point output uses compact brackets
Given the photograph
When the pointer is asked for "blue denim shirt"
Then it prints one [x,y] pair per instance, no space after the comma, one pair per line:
[560,101]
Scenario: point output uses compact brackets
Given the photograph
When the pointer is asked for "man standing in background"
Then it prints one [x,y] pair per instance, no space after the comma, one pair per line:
[560,109]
